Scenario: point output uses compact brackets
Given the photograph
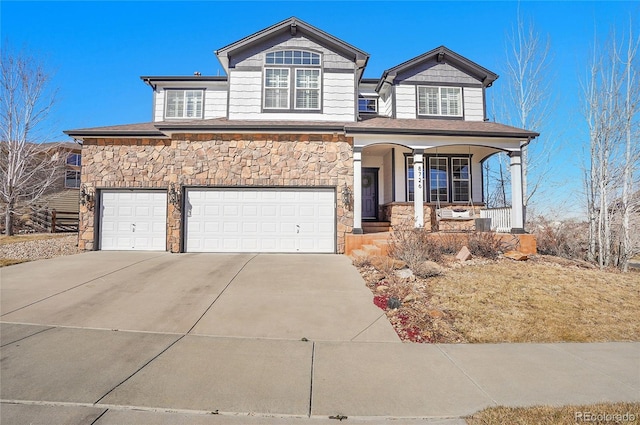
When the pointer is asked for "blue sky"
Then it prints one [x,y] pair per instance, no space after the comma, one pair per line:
[98,50]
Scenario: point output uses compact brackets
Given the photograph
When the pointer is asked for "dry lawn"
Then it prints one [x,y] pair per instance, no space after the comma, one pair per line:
[7,240]
[545,299]
[566,415]
[540,301]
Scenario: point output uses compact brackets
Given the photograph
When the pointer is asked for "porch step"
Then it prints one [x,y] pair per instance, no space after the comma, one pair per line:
[375,226]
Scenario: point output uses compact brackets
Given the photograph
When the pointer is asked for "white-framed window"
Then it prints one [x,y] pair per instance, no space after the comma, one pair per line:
[288,87]
[276,88]
[72,179]
[440,101]
[74,159]
[368,105]
[438,179]
[448,179]
[307,89]
[292,57]
[184,103]
[460,178]
[72,172]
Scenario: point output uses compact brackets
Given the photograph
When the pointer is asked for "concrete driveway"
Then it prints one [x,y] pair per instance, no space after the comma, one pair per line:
[318,297]
[108,338]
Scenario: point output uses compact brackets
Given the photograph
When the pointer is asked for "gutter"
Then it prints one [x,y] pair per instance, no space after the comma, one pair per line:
[412,132]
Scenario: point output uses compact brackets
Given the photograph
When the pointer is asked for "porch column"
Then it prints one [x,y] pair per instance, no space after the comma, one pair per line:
[357,191]
[418,187]
[517,209]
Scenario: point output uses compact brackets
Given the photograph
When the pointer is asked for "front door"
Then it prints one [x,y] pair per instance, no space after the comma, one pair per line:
[369,193]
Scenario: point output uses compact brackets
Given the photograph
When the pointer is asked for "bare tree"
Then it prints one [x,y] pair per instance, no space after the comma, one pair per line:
[611,100]
[630,111]
[529,92]
[27,169]
[526,100]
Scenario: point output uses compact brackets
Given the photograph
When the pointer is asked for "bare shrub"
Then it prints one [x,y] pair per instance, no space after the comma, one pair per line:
[414,246]
[485,245]
[566,239]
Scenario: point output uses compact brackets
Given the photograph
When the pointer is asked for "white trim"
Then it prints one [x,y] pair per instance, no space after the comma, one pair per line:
[446,164]
[184,106]
[264,89]
[418,189]
[439,102]
[295,89]
[357,189]
[468,180]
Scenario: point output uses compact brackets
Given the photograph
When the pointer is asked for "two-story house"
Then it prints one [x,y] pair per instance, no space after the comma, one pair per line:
[293,150]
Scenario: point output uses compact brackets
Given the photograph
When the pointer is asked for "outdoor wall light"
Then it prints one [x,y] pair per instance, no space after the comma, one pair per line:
[174,195]
[87,196]
[346,196]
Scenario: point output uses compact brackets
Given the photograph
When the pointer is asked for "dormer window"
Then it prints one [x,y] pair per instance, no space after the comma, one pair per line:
[184,103]
[440,101]
[295,83]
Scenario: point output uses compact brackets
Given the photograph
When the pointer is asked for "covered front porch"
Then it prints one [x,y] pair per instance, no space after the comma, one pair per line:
[432,184]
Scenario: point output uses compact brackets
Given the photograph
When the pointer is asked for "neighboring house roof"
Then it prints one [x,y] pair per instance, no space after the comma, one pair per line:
[374,125]
[440,54]
[293,26]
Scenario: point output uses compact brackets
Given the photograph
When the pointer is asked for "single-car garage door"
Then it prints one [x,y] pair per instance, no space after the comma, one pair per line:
[260,220]
[133,220]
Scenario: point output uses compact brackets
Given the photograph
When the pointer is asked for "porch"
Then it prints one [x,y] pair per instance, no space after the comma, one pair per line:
[431,184]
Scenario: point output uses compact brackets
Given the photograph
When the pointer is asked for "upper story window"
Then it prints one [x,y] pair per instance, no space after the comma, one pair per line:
[292,57]
[184,103]
[289,86]
[440,101]
[74,159]
[368,105]
[72,172]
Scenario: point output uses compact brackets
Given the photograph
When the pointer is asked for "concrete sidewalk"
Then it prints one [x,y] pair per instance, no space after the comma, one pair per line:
[80,375]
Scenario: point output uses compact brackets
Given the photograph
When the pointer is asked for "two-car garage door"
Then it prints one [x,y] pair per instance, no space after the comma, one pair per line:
[260,220]
[222,220]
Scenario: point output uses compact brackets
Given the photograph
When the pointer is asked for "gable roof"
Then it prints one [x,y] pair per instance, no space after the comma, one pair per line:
[293,26]
[441,54]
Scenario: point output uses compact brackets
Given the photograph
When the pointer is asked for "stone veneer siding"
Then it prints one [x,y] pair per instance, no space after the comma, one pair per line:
[216,160]
[401,215]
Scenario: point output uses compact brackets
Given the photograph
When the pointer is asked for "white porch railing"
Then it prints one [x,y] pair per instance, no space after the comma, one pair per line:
[500,218]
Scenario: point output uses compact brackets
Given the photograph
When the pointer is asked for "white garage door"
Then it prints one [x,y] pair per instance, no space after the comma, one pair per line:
[133,220]
[260,220]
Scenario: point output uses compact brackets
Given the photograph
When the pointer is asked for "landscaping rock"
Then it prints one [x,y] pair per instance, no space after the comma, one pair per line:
[435,314]
[382,263]
[464,254]
[393,303]
[428,269]
[515,255]
[410,298]
[404,273]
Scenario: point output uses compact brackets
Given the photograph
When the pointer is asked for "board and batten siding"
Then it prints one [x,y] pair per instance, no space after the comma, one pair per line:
[473,104]
[245,102]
